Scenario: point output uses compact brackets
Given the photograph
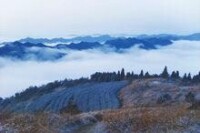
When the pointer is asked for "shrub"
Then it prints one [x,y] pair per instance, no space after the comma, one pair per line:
[164,98]
[189,97]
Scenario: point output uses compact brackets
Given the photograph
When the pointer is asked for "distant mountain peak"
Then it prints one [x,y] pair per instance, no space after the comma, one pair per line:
[88,38]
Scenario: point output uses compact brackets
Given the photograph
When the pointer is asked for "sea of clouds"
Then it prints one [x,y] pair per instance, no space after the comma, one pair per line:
[16,76]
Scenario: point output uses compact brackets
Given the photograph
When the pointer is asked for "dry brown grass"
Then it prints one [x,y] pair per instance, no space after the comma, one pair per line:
[45,122]
[34,123]
[126,120]
[147,119]
[127,92]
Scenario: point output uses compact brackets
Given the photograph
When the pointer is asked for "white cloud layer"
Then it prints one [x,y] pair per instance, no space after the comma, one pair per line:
[15,76]
[60,18]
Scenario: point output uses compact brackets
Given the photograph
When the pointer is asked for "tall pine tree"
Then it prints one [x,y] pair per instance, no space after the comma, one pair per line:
[165,73]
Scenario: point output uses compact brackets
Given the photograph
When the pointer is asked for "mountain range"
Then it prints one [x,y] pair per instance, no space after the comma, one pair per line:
[101,38]
[38,49]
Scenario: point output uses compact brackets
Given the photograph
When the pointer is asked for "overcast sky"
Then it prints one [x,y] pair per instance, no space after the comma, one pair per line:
[62,18]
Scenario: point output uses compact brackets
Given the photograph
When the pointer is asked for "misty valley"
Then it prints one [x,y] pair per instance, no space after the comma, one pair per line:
[100,84]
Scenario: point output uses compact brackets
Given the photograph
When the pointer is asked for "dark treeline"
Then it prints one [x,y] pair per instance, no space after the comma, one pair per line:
[121,75]
[102,77]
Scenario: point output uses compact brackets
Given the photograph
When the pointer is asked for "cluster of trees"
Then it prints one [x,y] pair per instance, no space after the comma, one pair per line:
[121,75]
[196,78]
[118,76]
[102,77]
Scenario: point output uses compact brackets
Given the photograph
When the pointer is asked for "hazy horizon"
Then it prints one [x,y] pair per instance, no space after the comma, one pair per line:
[60,18]
[95,35]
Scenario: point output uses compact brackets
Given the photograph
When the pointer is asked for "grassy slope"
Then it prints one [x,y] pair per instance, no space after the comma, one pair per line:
[168,117]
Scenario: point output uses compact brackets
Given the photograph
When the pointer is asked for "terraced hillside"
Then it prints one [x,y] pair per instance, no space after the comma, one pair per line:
[83,98]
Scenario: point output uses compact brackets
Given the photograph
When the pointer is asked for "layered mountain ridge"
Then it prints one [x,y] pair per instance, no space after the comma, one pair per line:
[37,49]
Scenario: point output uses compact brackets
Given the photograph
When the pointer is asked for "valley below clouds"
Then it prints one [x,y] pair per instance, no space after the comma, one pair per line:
[16,76]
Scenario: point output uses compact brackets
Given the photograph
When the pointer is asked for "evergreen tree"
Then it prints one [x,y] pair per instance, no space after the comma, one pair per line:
[114,76]
[141,75]
[196,78]
[132,74]
[128,75]
[147,75]
[177,75]
[122,74]
[184,78]
[165,73]
[189,78]
[118,76]
[173,75]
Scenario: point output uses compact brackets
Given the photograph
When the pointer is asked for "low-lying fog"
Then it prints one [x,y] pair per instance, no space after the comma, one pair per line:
[16,76]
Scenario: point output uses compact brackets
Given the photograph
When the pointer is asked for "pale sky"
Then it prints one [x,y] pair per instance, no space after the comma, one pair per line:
[62,18]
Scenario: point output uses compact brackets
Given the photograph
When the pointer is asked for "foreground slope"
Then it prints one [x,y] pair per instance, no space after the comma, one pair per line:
[149,105]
